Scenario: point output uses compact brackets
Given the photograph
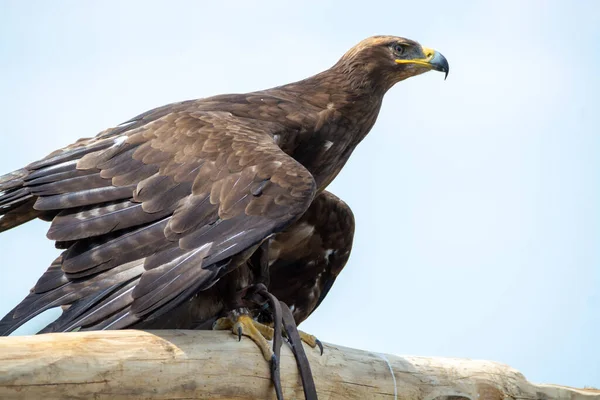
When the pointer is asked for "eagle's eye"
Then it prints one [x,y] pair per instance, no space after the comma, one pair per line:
[398,49]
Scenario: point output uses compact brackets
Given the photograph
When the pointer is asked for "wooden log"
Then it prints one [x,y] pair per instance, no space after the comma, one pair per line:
[214,365]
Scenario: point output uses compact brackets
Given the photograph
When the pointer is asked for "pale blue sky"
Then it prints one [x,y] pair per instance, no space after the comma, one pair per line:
[476,199]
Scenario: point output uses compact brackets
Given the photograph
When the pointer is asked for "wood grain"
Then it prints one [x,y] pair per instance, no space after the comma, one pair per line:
[173,364]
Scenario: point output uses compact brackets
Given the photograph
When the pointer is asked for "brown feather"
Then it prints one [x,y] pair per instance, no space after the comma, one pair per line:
[307,257]
[193,188]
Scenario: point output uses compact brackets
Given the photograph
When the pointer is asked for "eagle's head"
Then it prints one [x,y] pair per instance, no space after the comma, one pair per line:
[385,60]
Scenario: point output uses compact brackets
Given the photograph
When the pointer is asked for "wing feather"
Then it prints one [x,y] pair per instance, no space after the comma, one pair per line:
[307,257]
[84,197]
[154,210]
[97,220]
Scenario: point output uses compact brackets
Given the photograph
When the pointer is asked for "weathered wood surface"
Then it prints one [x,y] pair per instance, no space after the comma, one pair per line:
[214,365]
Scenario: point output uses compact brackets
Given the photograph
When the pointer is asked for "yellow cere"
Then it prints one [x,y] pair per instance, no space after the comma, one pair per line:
[429,53]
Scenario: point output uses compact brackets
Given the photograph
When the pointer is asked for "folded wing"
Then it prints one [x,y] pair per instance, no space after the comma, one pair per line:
[309,255]
[152,211]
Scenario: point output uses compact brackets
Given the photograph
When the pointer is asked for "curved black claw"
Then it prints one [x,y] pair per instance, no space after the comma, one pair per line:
[275,377]
[239,332]
[318,342]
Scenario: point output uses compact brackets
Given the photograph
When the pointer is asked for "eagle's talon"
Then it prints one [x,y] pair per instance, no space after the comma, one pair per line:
[311,340]
[320,345]
[242,324]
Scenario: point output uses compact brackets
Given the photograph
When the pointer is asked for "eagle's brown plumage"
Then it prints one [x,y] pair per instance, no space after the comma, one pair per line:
[304,261]
[161,208]
[307,257]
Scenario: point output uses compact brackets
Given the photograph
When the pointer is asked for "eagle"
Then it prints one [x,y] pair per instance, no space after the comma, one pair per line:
[178,216]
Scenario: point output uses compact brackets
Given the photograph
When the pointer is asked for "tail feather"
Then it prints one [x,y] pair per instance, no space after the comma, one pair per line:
[9,324]
[94,309]
[82,297]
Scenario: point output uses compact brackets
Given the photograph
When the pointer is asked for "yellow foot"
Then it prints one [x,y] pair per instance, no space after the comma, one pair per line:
[267,331]
[311,340]
[242,324]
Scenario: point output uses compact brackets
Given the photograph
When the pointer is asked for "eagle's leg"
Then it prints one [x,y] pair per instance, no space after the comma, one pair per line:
[240,319]
[262,276]
[242,324]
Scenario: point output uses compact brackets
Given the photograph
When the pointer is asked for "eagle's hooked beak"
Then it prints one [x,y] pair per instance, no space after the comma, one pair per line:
[433,59]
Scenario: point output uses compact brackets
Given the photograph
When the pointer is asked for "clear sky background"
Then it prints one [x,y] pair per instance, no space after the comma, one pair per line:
[476,199]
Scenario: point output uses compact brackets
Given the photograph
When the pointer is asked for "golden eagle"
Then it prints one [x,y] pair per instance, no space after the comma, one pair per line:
[171,218]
